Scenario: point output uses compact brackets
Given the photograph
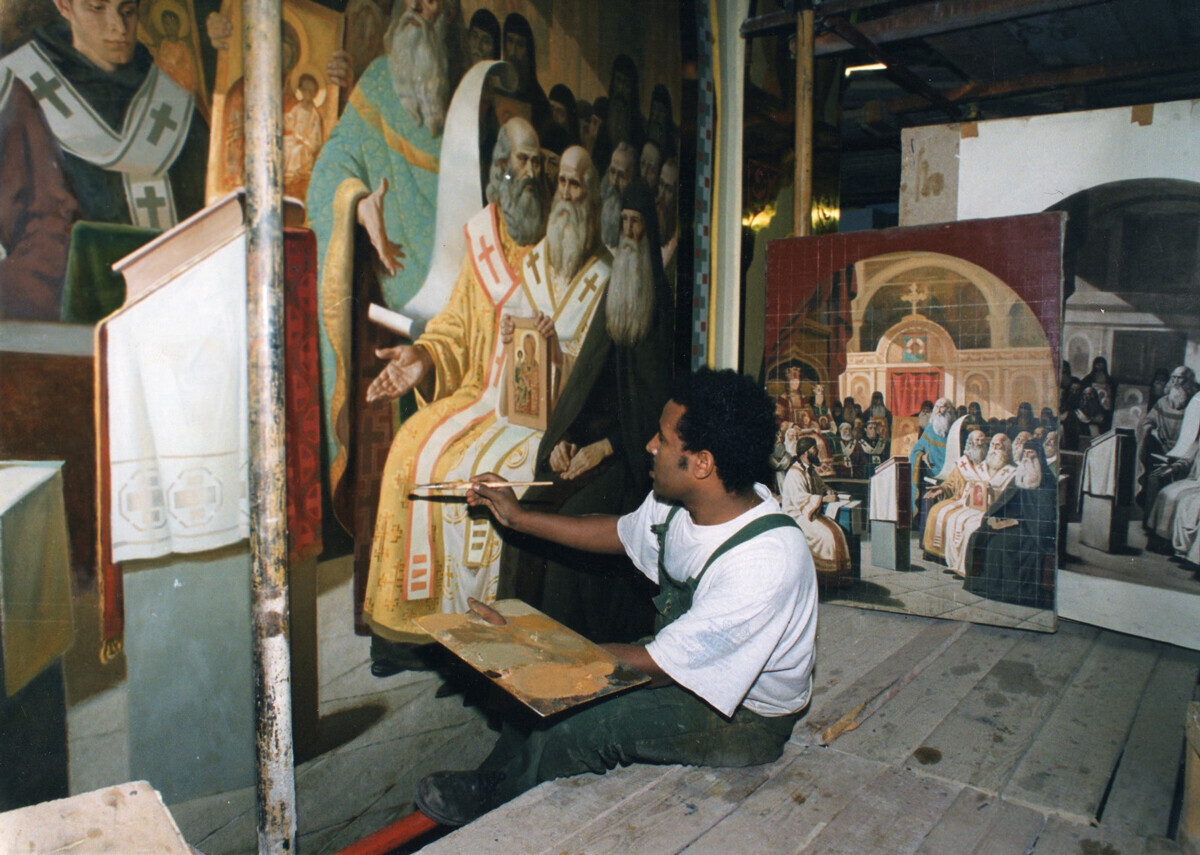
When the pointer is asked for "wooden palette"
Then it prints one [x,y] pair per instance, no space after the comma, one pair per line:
[534,658]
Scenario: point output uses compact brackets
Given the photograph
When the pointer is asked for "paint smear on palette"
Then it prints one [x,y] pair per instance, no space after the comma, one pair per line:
[543,664]
[544,679]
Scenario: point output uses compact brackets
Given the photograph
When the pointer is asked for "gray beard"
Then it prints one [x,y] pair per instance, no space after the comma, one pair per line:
[997,459]
[1177,395]
[975,454]
[521,205]
[1018,450]
[631,292]
[567,238]
[941,424]
[610,214]
[1029,474]
[420,67]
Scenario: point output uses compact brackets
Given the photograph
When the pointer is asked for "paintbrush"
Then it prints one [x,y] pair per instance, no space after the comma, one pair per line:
[463,485]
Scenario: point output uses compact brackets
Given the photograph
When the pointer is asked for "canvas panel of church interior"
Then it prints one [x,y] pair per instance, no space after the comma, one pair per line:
[919,444]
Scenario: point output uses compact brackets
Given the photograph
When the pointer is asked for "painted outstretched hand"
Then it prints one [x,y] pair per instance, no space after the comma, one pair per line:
[407,366]
[370,216]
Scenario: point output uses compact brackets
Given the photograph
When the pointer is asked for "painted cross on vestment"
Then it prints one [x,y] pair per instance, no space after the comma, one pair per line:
[534,258]
[485,256]
[589,285]
[162,121]
[151,202]
[46,90]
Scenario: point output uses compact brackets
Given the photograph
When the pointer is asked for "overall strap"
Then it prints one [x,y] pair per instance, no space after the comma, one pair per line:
[659,530]
[747,532]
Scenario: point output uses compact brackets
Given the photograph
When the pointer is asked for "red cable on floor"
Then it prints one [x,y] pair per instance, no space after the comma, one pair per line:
[392,836]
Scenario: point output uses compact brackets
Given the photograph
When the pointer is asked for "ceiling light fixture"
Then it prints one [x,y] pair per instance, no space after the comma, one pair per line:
[875,66]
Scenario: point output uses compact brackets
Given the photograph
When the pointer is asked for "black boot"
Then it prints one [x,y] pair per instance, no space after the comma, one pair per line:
[456,798]
[392,657]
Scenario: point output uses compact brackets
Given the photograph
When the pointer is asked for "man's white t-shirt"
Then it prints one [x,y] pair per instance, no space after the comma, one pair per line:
[749,636]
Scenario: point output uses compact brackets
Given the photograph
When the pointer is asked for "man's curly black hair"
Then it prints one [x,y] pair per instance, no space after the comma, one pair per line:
[731,417]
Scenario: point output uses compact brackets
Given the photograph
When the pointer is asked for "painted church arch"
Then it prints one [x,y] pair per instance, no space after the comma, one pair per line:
[999,296]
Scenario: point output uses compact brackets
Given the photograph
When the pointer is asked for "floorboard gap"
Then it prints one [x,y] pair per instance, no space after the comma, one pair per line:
[1112,777]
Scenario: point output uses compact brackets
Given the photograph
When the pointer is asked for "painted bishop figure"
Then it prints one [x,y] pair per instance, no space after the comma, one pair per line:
[134,149]
[428,557]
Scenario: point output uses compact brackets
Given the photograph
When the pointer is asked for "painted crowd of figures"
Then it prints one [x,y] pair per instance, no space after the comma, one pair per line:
[971,474]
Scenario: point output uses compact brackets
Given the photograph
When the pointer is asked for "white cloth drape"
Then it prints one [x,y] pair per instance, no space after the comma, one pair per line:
[177,412]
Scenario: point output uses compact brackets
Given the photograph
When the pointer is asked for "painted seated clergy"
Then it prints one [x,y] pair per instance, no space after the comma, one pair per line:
[1174,519]
[1019,532]
[928,455]
[593,448]
[803,497]
[731,661]
[429,556]
[981,476]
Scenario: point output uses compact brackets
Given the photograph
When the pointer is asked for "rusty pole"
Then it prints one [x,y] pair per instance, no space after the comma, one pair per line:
[276,780]
[802,196]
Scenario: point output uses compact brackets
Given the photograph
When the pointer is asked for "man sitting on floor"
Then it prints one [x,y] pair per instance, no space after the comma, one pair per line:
[731,661]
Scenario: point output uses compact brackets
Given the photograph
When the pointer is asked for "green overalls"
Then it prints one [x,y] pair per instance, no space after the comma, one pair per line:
[663,725]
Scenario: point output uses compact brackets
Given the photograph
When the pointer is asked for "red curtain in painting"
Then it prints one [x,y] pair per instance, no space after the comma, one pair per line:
[910,388]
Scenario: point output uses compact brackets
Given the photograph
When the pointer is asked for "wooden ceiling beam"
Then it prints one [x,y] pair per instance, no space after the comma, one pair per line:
[771,24]
[944,16]
[898,71]
[1079,76]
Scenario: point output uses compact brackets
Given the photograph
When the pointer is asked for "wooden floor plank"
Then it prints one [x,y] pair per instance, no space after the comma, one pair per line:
[964,824]
[539,818]
[850,642]
[859,700]
[986,734]
[904,722]
[892,814]
[1157,845]
[666,817]
[1142,791]
[1014,830]
[1062,837]
[995,704]
[1068,766]
[797,801]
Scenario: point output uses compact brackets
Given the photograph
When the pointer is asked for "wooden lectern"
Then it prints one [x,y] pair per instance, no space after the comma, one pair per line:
[172,451]
[1107,484]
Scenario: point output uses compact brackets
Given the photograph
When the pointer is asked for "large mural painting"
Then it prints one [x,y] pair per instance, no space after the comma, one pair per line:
[452,168]
[913,373]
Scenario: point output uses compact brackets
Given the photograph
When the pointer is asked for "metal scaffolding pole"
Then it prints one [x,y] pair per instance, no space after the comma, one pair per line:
[276,781]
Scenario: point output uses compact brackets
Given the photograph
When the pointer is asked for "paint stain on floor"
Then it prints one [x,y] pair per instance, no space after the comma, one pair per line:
[927,756]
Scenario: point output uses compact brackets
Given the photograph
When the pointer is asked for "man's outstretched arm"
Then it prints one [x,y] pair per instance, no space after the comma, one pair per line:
[593,533]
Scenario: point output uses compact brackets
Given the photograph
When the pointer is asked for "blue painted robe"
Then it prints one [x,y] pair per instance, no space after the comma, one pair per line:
[376,138]
[933,444]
